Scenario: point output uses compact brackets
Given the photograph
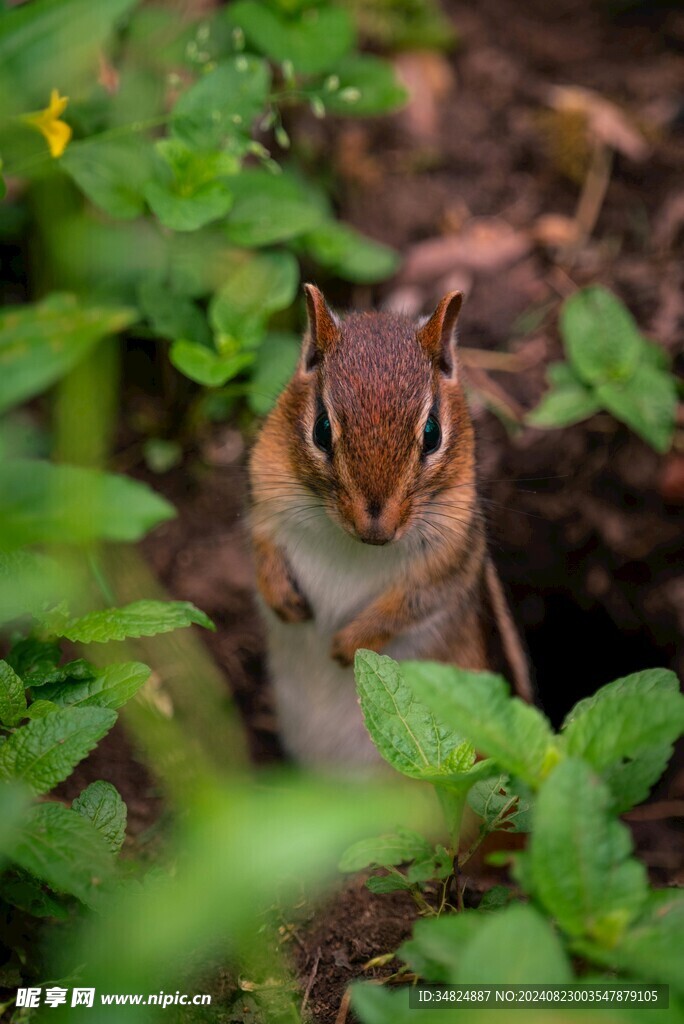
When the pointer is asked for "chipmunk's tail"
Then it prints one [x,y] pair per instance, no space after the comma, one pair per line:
[511,643]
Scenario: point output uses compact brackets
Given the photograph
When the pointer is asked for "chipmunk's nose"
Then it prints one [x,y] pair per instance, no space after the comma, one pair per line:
[378,526]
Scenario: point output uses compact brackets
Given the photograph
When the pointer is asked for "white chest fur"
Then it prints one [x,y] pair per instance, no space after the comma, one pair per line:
[319,716]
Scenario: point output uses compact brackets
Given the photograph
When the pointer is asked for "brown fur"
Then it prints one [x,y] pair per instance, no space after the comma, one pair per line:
[378,376]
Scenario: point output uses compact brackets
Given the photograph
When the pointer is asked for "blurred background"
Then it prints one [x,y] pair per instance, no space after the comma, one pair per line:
[172,173]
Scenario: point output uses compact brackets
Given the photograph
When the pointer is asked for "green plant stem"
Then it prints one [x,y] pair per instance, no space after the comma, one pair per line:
[485,832]
[85,408]
[453,802]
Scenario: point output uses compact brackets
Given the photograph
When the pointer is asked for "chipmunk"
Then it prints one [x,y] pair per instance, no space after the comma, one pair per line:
[366,526]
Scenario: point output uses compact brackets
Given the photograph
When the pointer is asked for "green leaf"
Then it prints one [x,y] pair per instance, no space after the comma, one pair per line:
[495,898]
[188,212]
[52,43]
[30,581]
[568,400]
[41,708]
[41,503]
[439,865]
[579,857]
[112,173]
[206,366]
[646,402]
[276,361]
[380,884]
[652,947]
[313,40]
[490,797]
[112,687]
[515,946]
[40,343]
[348,253]
[62,849]
[141,618]
[24,892]
[385,851]
[102,805]
[46,750]
[437,945]
[12,696]
[33,658]
[626,731]
[262,284]
[271,208]
[601,337]
[368,86]
[173,316]
[478,705]
[408,734]
[222,103]
[626,717]
[14,799]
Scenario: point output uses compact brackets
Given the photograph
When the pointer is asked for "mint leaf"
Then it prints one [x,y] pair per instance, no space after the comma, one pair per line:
[567,401]
[646,402]
[601,337]
[112,687]
[24,892]
[102,805]
[12,696]
[478,705]
[62,849]
[579,863]
[141,618]
[652,947]
[490,798]
[46,750]
[406,732]
[385,851]
[437,945]
[33,659]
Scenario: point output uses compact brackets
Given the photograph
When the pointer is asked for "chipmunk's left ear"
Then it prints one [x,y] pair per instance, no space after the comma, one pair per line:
[322,333]
[437,335]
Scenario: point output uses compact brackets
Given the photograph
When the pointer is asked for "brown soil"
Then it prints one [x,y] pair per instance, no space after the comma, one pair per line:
[586,522]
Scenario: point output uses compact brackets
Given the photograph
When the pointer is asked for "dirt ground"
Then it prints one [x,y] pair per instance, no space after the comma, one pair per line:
[586,523]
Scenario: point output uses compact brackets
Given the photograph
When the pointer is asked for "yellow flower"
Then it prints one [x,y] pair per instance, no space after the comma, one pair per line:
[48,123]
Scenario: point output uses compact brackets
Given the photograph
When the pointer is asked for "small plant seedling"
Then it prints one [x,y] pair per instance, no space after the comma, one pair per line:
[610,366]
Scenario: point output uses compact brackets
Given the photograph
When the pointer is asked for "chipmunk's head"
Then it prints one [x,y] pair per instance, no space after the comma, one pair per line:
[382,426]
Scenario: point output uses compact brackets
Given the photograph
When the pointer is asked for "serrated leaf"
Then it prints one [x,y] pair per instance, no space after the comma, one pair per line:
[112,172]
[12,696]
[478,705]
[33,659]
[40,343]
[646,402]
[600,335]
[489,799]
[205,365]
[62,849]
[379,884]
[406,732]
[626,717]
[41,503]
[346,252]
[271,208]
[368,86]
[222,103]
[385,851]
[495,898]
[72,672]
[112,687]
[514,946]
[45,751]
[141,618]
[579,860]
[313,40]
[102,805]
[567,401]
[41,708]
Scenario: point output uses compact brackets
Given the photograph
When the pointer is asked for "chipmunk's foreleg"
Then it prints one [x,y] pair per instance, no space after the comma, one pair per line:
[277,584]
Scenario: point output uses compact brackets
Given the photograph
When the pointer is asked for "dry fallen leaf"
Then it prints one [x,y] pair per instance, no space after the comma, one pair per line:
[485,246]
[605,119]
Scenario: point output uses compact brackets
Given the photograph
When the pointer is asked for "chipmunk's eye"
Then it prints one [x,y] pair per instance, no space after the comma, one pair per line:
[322,433]
[432,436]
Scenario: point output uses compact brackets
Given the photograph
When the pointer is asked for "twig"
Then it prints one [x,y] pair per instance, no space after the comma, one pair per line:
[593,193]
[344,1008]
[312,978]
[487,832]
[506,362]
[495,395]
[654,812]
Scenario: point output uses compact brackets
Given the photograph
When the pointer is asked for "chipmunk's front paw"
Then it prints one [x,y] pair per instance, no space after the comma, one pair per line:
[292,606]
[344,647]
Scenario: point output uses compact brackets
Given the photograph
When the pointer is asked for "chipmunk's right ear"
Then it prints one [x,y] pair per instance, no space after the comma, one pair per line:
[322,332]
